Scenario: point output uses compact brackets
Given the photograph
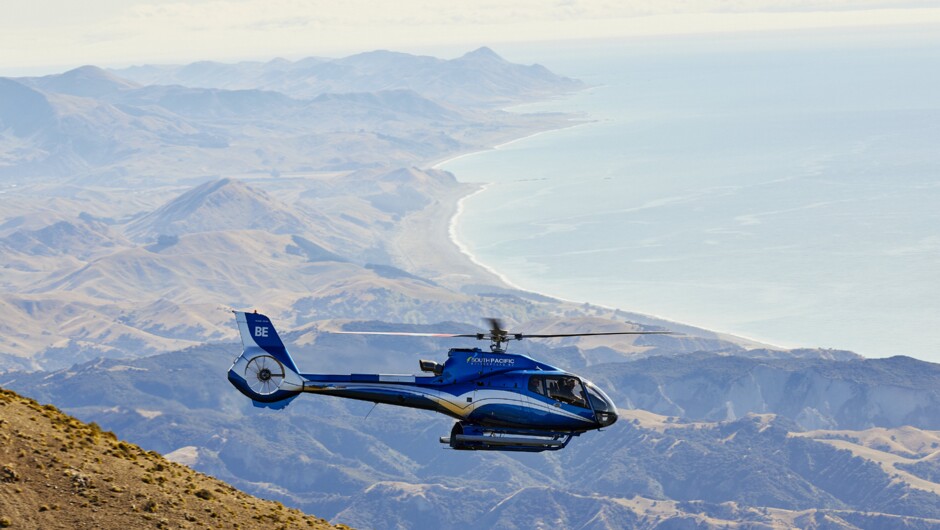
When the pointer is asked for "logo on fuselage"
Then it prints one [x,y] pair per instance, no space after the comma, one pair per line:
[491,361]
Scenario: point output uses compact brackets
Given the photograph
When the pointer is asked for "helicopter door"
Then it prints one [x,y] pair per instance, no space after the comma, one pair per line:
[473,400]
[479,393]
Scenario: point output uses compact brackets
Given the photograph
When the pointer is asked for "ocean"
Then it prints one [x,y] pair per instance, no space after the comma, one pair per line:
[783,187]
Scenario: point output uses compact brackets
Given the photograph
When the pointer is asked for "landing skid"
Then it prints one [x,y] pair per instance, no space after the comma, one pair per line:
[467,437]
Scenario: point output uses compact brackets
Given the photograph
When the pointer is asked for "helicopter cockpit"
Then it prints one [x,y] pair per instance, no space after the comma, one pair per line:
[569,389]
[566,389]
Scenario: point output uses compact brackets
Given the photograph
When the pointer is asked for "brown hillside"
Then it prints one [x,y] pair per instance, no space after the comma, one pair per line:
[57,472]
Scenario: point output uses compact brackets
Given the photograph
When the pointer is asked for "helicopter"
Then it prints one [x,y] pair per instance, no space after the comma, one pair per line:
[501,401]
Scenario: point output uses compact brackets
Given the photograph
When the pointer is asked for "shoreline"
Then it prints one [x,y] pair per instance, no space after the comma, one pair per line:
[464,252]
[426,244]
[459,208]
[438,164]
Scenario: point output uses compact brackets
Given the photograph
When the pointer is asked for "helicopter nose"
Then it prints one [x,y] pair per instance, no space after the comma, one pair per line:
[606,419]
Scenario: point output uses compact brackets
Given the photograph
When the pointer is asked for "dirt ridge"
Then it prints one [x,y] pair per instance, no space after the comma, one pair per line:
[58,472]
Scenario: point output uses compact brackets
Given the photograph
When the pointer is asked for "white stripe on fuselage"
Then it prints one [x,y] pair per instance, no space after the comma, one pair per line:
[500,396]
[455,403]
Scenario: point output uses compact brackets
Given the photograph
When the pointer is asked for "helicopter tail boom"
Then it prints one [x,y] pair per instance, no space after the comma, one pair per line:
[265,371]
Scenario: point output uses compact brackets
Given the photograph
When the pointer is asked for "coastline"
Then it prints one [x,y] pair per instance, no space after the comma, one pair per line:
[422,245]
[647,318]
[426,243]
[464,259]
[438,164]
[452,235]
[459,208]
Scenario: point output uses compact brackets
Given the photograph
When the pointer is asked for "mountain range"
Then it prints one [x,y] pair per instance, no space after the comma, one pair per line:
[709,465]
[142,205]
[479,77]
[380,109]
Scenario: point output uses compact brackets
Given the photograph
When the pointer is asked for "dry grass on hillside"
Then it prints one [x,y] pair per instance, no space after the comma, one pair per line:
[57,472]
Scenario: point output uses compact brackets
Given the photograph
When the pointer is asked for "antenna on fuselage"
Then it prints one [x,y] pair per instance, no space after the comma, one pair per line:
[376,404]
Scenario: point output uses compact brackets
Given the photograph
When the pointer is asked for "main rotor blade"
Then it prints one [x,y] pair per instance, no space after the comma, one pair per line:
[495,334]
[404,334]
[527,336]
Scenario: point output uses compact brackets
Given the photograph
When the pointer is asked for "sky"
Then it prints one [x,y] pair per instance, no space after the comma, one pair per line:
[49,36]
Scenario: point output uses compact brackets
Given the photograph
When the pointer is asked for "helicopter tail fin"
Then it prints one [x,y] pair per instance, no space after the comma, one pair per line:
[257,331]
[265,371]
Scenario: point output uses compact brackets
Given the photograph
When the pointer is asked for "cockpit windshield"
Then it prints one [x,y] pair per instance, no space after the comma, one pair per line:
[599,400]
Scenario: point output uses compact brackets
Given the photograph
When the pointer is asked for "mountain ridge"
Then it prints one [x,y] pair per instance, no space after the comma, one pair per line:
[215,205]
[97,127]
[61,473]
[439,79]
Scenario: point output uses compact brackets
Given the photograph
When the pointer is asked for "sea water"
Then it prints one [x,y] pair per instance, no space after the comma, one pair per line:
[781,187]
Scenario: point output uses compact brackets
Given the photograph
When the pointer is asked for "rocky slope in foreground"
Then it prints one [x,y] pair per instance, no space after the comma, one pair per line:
[57,472]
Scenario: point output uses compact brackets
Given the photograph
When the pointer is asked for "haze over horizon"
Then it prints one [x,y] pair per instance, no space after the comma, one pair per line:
[53,35]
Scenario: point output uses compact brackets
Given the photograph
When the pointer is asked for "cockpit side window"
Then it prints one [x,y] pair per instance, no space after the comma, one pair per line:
[560,388]
[535,385]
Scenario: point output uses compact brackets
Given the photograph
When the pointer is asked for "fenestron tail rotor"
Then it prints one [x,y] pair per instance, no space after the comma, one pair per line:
[498,336]
[264,374]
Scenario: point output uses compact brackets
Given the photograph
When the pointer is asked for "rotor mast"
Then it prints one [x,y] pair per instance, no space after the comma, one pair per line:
[498,336]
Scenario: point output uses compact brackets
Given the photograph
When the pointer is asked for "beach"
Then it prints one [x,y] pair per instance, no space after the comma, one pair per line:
[424,245]
[427,244]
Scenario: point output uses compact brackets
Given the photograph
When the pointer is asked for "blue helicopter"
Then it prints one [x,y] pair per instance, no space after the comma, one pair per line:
[502,401]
